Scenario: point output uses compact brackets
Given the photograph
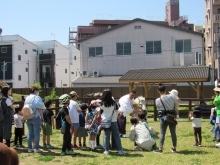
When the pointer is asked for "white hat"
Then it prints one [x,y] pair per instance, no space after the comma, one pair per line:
[98,101]
[174,92]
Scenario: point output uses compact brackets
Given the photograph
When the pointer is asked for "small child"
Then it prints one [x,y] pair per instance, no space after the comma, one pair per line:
[175,93]
[92,124]
[18,122]
[195,116]
[47,124]
[82,133]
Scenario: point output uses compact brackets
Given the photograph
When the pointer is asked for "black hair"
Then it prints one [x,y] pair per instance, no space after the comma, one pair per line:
[47,103]
[142,115]
[133,120]
[132,91]
[107,99]
[33,89]
[18,109]
[83,106]
[4,91]
[161,88]
[91,107]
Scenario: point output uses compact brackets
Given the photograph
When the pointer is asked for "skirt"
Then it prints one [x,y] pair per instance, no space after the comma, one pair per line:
[82,132]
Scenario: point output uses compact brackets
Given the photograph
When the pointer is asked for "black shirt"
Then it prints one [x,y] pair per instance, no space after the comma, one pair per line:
[64,111]
[48,113]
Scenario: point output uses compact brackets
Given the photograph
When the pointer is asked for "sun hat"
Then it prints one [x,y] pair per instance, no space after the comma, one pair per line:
[217,89]
[174,92]
[93,102]
[73,93]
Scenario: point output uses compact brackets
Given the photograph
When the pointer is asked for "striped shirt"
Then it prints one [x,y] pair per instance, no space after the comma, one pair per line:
[169,101]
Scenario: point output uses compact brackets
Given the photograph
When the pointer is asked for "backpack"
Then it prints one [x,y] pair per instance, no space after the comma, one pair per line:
[1,111]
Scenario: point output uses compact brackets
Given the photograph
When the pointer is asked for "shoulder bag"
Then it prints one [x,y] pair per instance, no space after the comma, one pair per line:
[27,110]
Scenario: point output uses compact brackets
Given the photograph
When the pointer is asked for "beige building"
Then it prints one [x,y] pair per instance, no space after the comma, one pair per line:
[139,44]
[212,31]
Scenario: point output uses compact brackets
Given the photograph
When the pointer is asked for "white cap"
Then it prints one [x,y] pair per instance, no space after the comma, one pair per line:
[174,92]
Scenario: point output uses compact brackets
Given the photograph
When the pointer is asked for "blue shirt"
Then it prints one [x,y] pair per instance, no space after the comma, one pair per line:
[82,116]
[35,103]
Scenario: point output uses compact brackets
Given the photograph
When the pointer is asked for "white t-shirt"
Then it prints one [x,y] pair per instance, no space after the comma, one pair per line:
[107,113]
[126,105]
[196,122]
[17,121]
[8,102]
[73,111]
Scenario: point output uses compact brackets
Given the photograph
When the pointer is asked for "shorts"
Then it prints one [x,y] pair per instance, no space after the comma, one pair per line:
[47,129]
[76,125]
[82,132]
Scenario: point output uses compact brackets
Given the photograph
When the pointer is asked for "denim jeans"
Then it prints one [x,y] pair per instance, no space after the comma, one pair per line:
[34,132]
[163,129]
[216,131]
[115,136]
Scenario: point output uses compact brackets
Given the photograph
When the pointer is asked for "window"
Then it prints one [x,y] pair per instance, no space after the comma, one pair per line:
[95,51]
[19,77]
[218,11]
[74,57]
[34,50]
[183,46]
[72,72]
[26,69]
[42,52]
[153,47]
[19,57]
[65,70]
[4,49]
[123,48]
[26,52]
[137,27]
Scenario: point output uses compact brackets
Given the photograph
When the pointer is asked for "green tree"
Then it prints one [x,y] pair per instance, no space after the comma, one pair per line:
[52,95]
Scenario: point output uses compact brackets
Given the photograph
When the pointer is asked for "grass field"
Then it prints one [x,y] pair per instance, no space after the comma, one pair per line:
[187,154]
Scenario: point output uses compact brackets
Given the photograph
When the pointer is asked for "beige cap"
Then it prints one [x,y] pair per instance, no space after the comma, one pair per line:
[217,89]
[73,93]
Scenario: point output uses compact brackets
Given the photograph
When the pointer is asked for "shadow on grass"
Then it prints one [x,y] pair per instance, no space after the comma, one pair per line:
[190,152]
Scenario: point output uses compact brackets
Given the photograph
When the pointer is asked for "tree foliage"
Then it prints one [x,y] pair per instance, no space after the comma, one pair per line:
[52,95]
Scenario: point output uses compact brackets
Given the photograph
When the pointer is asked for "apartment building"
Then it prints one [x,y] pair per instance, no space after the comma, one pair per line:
[18,61]
[212,32]
[139,44]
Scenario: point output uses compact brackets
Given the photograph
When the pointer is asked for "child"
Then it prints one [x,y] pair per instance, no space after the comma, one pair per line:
[195,116]
[18,122]
[47,124]
[99,118]
[141,134]
[92,124]
[66,125]
[82,133]
[175,93]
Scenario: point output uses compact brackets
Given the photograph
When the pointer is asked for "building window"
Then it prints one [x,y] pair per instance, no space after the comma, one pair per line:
[26,69]
[65,70]
[72,72]
[153,47]
[123,48]
[34,50]
[4,49]
[183,46]
[74,57]
[26,52]
[42,52]
[95,51]
[19,57]
[19,77]
[137,27]
[218,11]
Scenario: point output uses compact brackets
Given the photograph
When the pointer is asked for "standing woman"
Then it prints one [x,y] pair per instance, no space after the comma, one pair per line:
[8,108]
[34,124]
[166,104]
[109,111]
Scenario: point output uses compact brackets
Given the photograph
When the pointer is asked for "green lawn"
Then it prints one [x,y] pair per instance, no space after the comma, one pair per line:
[187,154]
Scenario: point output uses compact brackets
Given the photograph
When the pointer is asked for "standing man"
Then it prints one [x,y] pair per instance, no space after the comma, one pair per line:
[126,107]
[74,111]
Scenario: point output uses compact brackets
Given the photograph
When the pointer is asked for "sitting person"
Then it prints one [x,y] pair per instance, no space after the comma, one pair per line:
[141,133]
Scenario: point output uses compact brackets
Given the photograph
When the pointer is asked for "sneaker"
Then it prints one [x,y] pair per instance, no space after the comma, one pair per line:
[70,152]
[62,153]
[199,144]
[106,152]
[50,146]
[196,144]
[99,146]
[45,145]
[125,136]
[218,145]
[80,145]
[121,152]
[75,147]
[136,148]
[173,149]
[30,150]
[21,146]
[158,151]
[37,150]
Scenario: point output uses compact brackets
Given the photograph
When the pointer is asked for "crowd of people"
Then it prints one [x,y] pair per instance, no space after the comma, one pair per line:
[80,120]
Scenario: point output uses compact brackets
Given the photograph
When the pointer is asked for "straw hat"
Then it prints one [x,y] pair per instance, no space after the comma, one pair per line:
[216,89]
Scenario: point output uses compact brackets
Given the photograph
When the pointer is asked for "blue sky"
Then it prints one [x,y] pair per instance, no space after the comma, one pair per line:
[50,19]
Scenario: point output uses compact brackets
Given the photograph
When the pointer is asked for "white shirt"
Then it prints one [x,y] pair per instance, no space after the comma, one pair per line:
[196,122]
[108,114]
[126,105]
[17,121]
[8,102]
[73,111]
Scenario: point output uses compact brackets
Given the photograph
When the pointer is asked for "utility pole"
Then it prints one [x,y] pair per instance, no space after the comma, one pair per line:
[4,69]
[28,74]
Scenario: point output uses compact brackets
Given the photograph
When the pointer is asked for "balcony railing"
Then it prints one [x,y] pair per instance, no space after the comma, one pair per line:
[46,75]
[216,2]
[216,18]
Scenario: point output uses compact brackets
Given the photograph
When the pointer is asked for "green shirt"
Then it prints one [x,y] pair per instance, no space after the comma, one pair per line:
[217,104]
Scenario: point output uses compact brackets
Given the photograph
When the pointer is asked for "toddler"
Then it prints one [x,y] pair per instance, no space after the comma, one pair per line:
[175,93]
[18,122]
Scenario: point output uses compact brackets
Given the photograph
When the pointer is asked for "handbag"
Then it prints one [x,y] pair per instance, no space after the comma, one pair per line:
[107,123]
[169,118]
[27,110]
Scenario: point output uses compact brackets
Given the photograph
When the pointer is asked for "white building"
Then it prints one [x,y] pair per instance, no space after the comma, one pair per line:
[20,57]
[139,44]
[58,64]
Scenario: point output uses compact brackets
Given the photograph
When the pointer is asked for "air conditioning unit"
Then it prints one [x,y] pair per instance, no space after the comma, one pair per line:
[198,58]
[96,73]
[85,73]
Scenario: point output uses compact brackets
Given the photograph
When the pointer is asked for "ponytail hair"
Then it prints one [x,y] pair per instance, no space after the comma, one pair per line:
[161,87]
